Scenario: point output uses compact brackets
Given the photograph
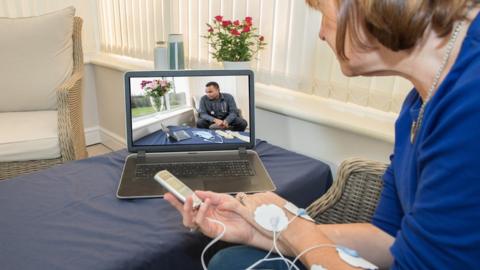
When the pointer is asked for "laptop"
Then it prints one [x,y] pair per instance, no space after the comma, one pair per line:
[205,161]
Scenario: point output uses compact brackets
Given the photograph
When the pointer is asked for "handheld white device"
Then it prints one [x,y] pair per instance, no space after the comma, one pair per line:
[182,192]
[176,187]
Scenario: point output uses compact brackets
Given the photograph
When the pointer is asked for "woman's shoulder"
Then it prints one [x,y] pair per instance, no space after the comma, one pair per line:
[411,101]
[462,84]
[474,29]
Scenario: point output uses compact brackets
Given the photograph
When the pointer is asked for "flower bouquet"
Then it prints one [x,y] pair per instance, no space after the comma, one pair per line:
[235,41]
[156,90]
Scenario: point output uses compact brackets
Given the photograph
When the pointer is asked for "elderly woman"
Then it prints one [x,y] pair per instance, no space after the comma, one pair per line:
[429,212]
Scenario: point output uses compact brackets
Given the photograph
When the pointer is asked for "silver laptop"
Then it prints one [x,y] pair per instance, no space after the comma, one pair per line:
[211,156]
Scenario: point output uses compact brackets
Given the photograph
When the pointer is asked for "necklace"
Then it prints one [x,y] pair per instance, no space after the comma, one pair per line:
[451,43]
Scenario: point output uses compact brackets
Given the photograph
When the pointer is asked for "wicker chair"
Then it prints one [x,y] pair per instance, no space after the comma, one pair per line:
[70,118]
[354,194]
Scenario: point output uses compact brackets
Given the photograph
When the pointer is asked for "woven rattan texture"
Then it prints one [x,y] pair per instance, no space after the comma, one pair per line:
[354,194]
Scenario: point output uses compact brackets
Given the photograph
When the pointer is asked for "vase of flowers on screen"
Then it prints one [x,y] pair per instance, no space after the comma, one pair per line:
[157,90]
[234,43]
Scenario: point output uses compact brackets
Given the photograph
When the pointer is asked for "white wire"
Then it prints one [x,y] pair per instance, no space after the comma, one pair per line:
[289,263]
[277,250]
[214,140]
[261,260]
[216,239]
[310,248]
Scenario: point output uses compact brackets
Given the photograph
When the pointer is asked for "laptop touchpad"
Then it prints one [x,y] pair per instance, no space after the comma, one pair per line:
[228,184]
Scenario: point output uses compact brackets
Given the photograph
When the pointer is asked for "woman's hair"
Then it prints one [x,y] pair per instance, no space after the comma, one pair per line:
[396,24]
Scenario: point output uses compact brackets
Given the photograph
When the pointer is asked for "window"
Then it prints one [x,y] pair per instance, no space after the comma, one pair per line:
[144,105]
[294,58]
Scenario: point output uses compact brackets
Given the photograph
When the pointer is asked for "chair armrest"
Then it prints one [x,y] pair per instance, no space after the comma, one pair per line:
[70,118]
[353,196]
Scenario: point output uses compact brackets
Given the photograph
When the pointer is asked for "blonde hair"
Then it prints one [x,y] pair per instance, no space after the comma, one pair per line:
[396,24]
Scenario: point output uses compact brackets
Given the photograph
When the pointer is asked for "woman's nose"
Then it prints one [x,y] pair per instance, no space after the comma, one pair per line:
[321,35]
[321,32]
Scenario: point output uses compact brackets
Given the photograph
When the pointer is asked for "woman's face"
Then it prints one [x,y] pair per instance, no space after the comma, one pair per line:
[360,62]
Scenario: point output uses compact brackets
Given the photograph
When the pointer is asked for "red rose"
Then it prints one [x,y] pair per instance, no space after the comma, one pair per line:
[210,29]
[261,38]
[235,32]
[226,23]
[246,29]
[248,19]
[218,18]
[236,23]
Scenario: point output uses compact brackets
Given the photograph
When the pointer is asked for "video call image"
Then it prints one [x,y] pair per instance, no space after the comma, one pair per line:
[189,110]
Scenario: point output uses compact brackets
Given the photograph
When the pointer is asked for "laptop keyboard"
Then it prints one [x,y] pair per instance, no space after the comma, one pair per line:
[186,169]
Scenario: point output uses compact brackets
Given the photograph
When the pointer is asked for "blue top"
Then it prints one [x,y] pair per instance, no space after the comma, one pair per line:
[431,197]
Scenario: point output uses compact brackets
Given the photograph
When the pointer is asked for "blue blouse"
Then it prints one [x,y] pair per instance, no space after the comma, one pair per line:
[430,201]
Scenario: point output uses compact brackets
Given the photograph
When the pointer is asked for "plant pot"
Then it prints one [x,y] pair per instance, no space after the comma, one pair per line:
[236,65]
[158,103]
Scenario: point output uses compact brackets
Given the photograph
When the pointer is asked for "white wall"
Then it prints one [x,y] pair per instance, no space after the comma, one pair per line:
[111,101]
[325,143]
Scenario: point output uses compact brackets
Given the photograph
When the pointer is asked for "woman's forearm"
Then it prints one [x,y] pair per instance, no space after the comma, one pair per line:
[301,235]
[370,242]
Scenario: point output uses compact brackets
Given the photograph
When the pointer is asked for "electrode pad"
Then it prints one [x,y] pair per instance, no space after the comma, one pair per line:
[351,257]
[292,208]
[271,217]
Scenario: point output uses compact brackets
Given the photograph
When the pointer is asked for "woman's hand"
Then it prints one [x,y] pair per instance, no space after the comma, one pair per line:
[252,202]
[213,207]
[255,200]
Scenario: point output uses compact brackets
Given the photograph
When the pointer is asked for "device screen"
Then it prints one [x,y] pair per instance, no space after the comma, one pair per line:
[189,110]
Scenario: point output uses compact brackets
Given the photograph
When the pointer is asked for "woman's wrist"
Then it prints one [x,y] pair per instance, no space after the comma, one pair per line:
[262,241]
[298,230]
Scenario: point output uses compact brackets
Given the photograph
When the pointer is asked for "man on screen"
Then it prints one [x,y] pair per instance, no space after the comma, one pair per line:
[219,110]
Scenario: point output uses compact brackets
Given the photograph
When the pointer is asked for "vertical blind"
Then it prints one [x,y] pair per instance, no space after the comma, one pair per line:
[131,27]
[381,93]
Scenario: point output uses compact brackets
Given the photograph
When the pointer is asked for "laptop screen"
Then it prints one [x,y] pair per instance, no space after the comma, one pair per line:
[189,110]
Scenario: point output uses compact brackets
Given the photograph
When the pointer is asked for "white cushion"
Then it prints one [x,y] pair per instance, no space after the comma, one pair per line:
[36,56]
[28,136]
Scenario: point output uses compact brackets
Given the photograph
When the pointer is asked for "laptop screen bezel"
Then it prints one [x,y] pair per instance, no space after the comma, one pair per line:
[189,147]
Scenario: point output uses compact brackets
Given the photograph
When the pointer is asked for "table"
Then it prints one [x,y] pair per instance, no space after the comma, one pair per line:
[67,217]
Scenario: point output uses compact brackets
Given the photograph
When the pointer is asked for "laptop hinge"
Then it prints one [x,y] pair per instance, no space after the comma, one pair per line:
[141,155]
[242,151]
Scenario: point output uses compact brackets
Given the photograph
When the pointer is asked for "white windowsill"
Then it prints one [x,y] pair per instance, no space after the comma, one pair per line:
[346,116]
[142,123]
[329,112]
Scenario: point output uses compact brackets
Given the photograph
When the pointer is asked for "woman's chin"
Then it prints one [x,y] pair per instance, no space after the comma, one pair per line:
[355,71]
[348,71]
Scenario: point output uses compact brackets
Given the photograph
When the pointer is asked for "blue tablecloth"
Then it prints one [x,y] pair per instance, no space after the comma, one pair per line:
[160,138]
[67,217]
